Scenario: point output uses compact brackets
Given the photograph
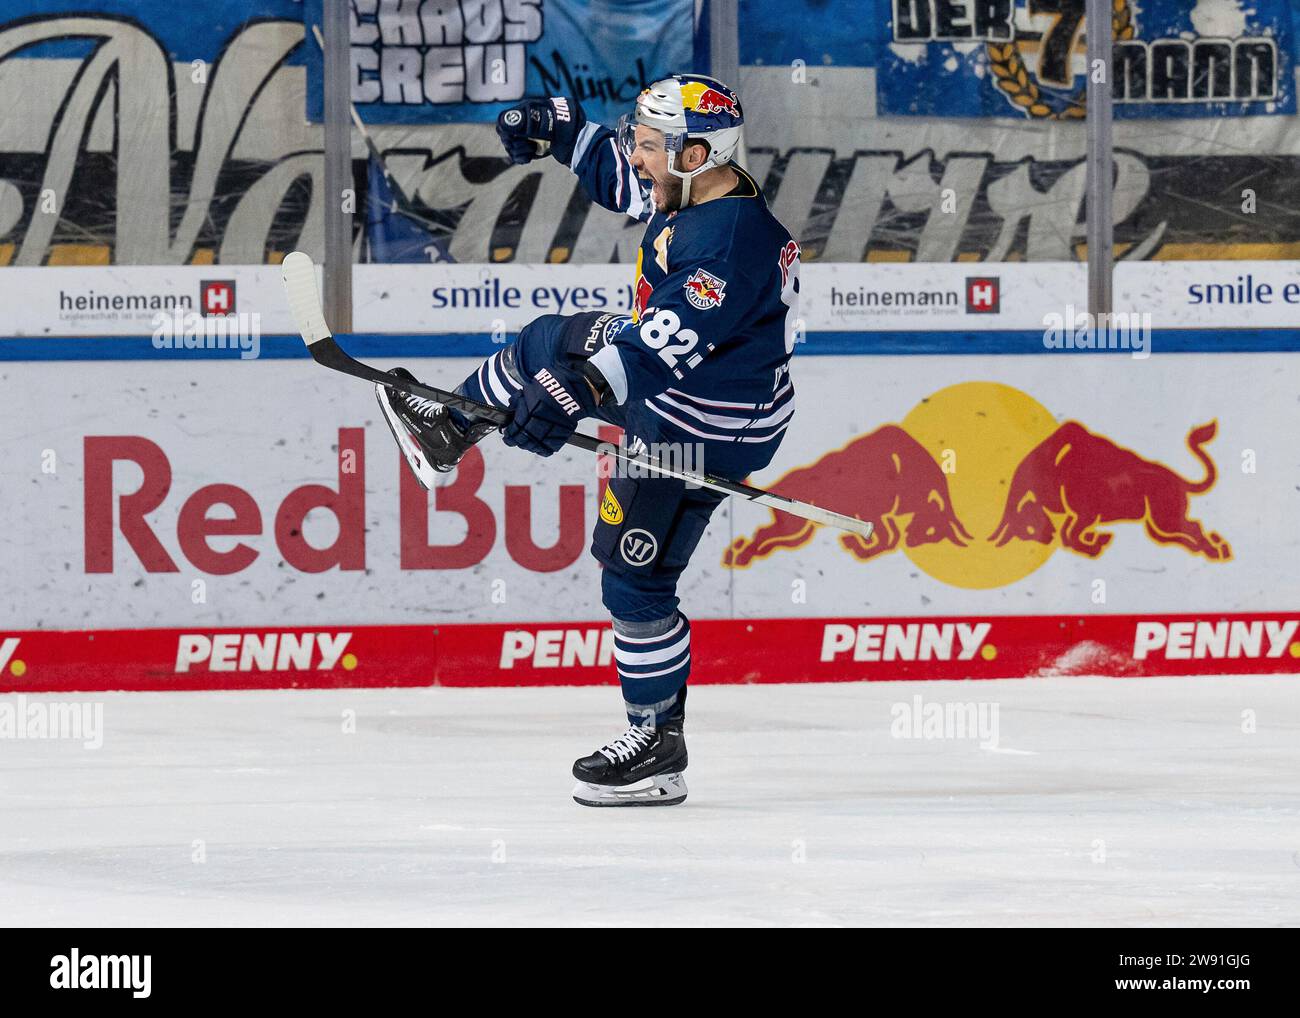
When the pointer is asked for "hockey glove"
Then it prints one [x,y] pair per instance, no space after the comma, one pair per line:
[546,411]
[529,129]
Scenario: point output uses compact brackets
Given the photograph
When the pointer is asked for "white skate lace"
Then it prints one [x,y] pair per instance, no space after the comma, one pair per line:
[422,405]
[627,744]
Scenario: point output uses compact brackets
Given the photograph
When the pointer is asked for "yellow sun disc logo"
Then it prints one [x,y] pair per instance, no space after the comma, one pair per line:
[610,511]
[979,432]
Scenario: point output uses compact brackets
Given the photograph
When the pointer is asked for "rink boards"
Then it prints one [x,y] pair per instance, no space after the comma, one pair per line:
[581,653]
[192,524]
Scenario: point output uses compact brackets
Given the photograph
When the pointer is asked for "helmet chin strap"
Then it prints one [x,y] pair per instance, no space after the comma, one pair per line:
[686,176]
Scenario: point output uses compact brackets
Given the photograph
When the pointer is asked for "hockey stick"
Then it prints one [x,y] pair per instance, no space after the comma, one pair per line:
[304,303]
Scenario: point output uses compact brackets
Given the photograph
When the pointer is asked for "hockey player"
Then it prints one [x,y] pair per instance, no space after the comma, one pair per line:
[703,359]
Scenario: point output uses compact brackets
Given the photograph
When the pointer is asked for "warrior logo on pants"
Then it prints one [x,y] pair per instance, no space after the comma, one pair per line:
[638,547]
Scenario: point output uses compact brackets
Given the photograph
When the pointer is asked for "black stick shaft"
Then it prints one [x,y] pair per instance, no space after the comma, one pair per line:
[329,354]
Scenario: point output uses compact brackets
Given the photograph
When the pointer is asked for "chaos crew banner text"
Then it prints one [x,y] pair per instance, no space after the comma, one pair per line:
[466,61]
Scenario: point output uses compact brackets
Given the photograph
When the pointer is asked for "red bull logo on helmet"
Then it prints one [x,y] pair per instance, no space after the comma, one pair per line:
[978,485]
[698,97]
[713,101]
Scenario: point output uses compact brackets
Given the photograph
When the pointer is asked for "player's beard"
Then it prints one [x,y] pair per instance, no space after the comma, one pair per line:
[667,194]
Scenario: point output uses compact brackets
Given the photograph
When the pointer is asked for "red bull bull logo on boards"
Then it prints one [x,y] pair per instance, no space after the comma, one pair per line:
[978,485]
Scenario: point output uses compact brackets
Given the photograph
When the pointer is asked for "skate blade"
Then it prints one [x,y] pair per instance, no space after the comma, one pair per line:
[660,790]
[424,472]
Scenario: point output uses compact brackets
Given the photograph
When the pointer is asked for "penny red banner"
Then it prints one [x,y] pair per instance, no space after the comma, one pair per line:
[581,653]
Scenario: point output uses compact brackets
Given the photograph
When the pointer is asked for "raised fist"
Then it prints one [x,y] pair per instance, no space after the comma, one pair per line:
[535,127]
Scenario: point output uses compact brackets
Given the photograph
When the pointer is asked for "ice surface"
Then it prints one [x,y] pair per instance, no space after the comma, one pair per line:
[1113,802]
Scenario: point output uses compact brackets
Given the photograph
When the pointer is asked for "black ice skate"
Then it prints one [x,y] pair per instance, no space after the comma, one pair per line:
[425,431]
[642,767]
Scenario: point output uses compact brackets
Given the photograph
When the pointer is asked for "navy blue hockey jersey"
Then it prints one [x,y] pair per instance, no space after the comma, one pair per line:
[716,304]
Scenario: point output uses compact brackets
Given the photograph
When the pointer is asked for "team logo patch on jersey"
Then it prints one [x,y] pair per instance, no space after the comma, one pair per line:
[704,290]
[610,510]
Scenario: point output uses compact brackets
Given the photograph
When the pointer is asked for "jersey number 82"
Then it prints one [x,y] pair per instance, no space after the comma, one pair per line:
[660,327]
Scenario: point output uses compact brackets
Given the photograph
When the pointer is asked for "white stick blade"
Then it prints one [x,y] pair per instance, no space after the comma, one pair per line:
[299,276]
[825,517]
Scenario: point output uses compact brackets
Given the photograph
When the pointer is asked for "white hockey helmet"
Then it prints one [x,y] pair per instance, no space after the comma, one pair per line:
[687,107]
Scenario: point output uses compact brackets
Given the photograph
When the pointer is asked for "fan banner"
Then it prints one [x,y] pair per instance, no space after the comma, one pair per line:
[1028,58]
[456,63]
